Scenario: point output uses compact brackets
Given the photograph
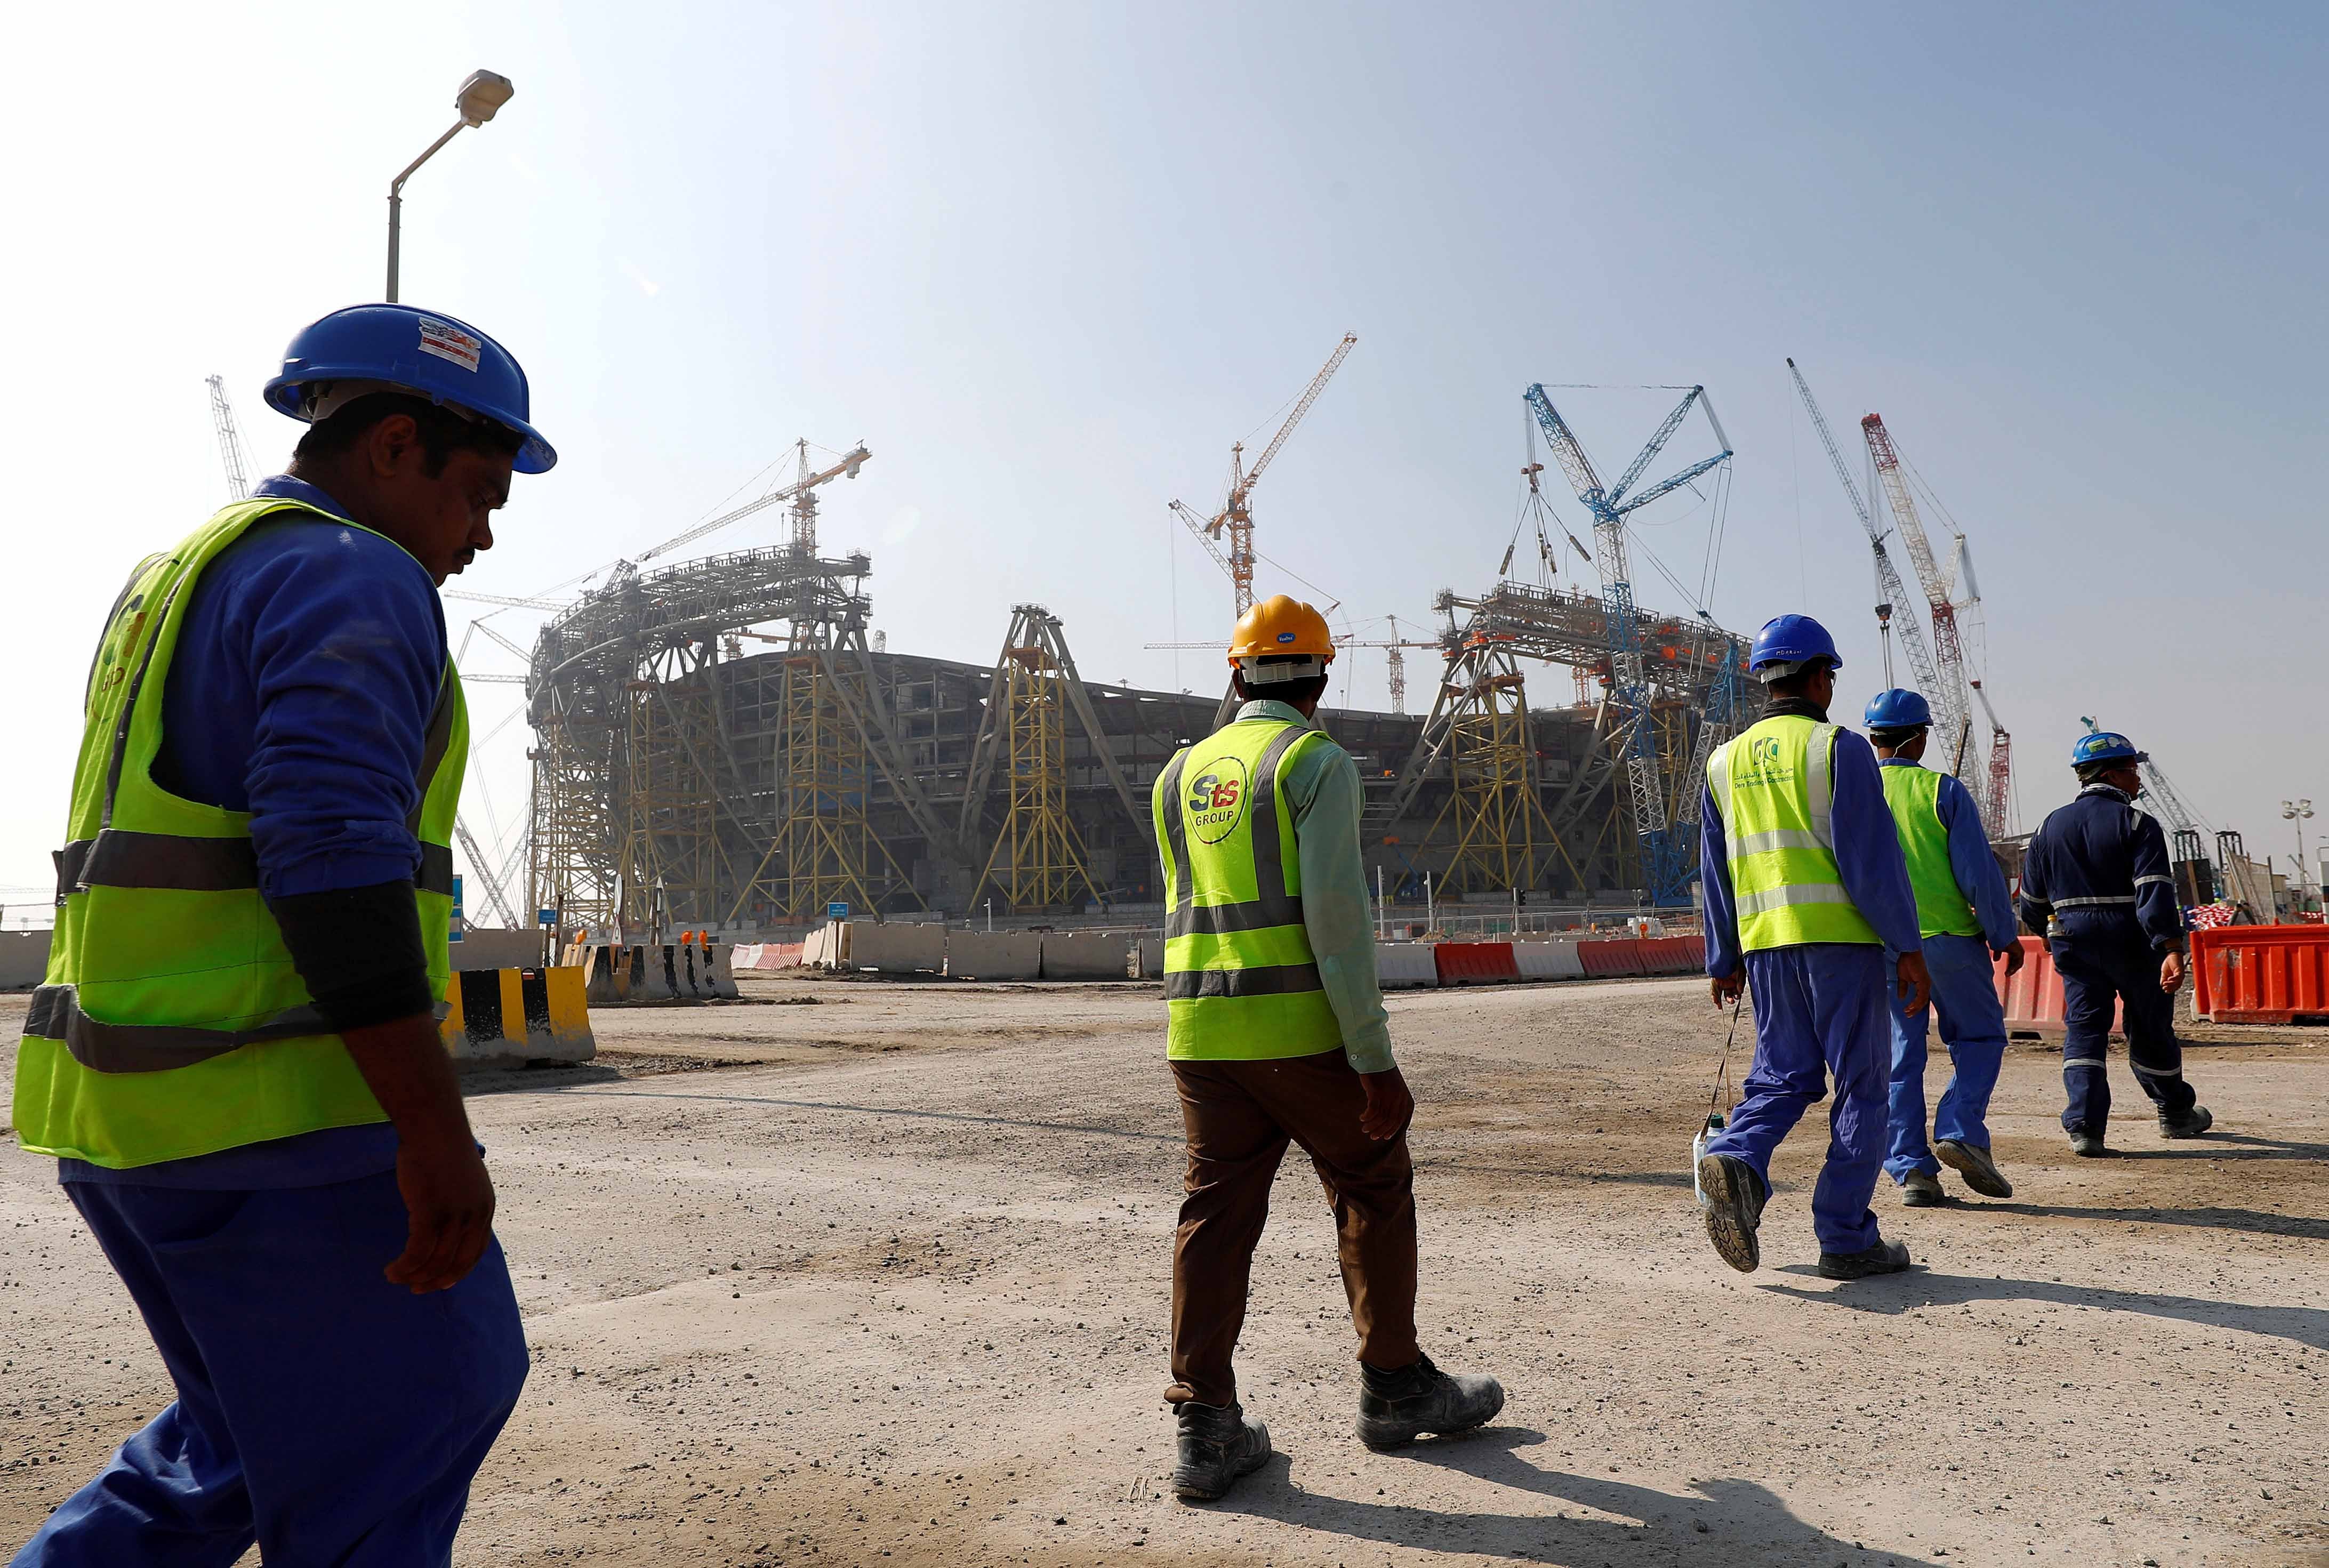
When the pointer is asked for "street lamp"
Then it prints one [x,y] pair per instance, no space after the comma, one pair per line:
[483,93]
[2297,811]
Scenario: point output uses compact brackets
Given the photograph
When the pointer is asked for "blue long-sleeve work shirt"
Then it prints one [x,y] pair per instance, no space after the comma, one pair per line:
[2099,868]
[306,667]
[1867,858]
[1978,875]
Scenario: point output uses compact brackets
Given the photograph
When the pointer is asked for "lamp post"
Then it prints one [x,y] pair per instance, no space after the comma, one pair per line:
[483,93]
[2297,811]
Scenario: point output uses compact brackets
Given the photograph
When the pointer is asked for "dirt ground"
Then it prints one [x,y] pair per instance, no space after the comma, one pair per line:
[862,1272]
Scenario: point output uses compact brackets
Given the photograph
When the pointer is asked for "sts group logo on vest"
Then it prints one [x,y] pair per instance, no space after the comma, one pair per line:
[1215,799]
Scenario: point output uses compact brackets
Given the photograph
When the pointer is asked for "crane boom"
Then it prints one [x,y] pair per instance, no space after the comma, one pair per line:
[1669,852]
[485,869]
[1309,395]
[846,468]
[1896,593]
[230,440]
[1196,525]
[1236,515]
[1948,652]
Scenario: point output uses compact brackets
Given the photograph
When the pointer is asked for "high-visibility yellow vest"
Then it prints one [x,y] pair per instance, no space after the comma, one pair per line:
[171,1022]
[1240,981]
[1776,787]
[1914,794]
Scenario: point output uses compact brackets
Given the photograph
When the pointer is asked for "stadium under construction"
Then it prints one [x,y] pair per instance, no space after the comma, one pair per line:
[721,743]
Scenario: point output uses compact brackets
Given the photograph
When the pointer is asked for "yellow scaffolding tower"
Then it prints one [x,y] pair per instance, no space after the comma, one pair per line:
[1503,840]
[670,861]
[824,848]
[1038,862]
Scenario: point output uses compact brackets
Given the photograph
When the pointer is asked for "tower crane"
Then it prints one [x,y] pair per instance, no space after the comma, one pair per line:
[230,441]
[1891,612]
[1952,720]
[1236,515]
[1668,860]
[801,493]
[1997,805]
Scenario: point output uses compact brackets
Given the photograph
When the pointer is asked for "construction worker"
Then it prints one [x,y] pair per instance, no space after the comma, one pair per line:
[1277,1032]
[2096,883]
[1964,915]
[235,1057]
[1806,893]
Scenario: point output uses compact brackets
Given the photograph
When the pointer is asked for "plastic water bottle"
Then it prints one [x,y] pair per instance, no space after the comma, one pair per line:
[1714,1123]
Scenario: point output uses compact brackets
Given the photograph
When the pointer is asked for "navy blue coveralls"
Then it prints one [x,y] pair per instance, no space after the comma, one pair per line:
[2096,883]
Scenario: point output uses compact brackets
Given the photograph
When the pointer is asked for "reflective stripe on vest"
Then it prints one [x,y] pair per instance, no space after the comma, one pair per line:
[1240,981]
[171,1021]
[1775,790]
[1914,795]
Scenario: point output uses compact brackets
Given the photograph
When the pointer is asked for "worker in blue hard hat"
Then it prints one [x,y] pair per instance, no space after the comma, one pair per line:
[1808,904]
[235,1057]
[1965,914]
[2096,883]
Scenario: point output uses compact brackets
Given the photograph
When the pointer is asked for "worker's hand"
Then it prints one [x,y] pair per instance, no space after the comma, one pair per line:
[1389,1105]
[2170,973]
[448,1200]
[1726,987]
[2014,958]
[1916,984]
[449,1206]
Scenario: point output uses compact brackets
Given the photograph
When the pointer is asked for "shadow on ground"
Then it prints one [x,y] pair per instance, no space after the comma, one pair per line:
[1897,1293]
[1719,1525]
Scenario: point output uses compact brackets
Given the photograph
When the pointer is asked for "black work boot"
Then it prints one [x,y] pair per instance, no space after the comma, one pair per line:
[1882,1257]
[1971,1161]
[1217,1444]
[1734,1209]
[2189,1123]
[1395,1408]
[2087,1145]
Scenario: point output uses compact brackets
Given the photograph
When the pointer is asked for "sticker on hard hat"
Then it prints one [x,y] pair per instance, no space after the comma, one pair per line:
[446,341]
[1286,636]
[1215,799]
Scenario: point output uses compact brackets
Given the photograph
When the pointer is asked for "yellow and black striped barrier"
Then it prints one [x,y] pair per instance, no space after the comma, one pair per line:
[516,1016]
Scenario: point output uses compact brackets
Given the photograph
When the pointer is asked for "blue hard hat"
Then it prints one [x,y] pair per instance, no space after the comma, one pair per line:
[421,352]
[1896,709]
[2105,746]
[1791,639]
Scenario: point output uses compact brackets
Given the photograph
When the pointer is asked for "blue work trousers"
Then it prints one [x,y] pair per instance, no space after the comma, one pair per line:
[323,1412]
[2095,972]
[1973,1028]
[1819,1011]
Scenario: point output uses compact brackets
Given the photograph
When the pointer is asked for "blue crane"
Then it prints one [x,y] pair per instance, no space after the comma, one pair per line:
[1669,852]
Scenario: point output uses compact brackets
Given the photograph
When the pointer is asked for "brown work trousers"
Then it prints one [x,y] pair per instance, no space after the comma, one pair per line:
[1238,1116]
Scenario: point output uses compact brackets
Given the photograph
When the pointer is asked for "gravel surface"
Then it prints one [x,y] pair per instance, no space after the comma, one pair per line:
[864,1272]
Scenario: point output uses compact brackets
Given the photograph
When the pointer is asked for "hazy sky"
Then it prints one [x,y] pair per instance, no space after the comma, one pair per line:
[1049,261]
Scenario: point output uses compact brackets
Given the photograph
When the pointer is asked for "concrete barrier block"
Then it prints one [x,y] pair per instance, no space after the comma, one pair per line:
[720,970]
[1406,964]
[510,1016]
[1548,960]
[1086,956]
[896,949]
[24,959]
[1148,959]
[995,955]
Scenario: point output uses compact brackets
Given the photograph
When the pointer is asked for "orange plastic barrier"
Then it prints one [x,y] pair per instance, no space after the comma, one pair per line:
[2033,998]
[1474,963]
[1615,956]
[1673,955]
[2261,973]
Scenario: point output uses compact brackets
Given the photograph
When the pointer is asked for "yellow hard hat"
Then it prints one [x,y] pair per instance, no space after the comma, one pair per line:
[1280,625]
